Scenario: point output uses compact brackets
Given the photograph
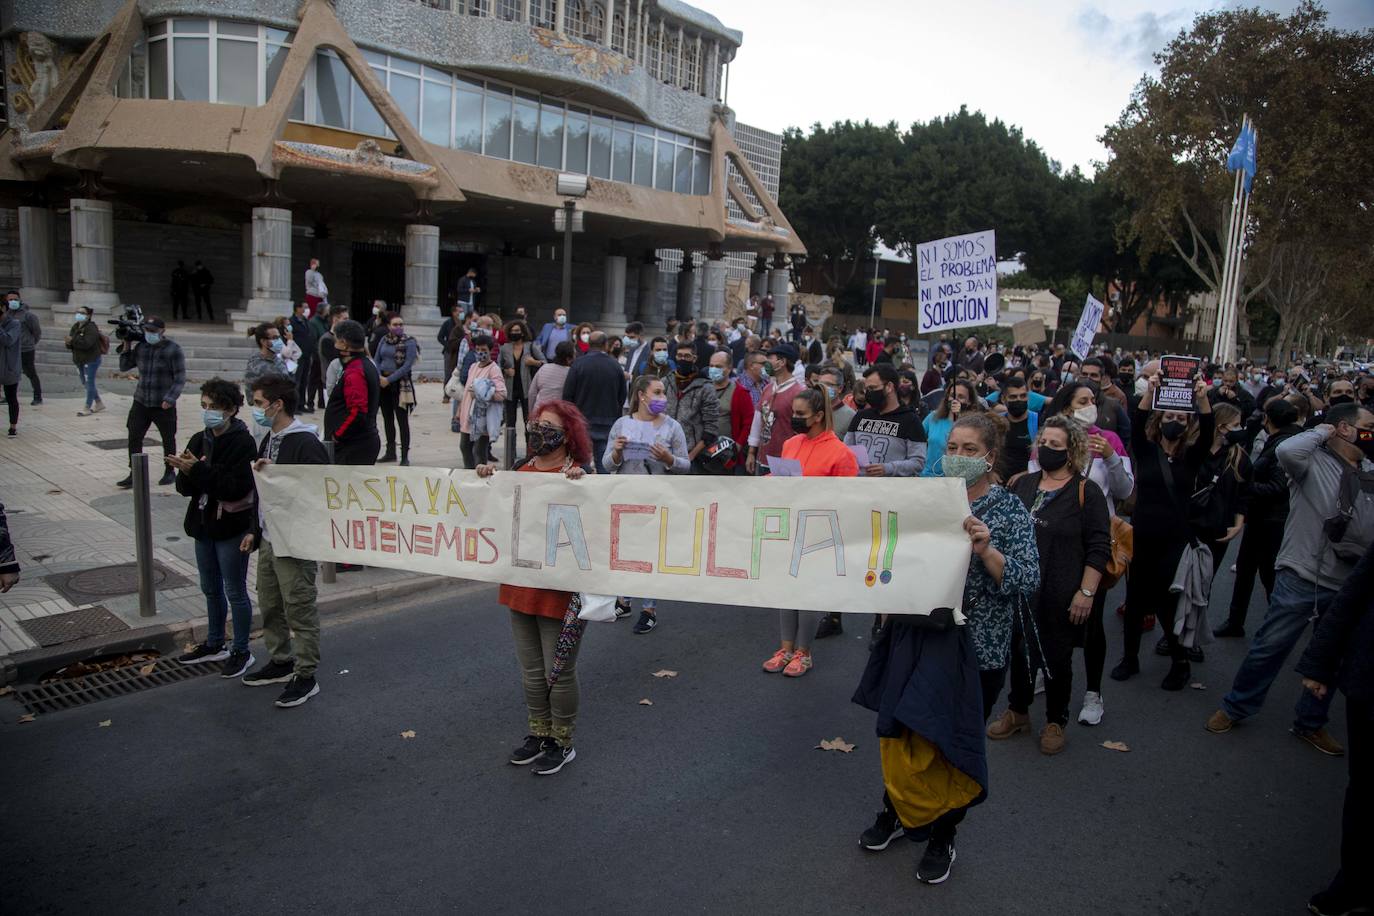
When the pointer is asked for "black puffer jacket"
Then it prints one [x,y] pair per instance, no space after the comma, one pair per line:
[221,484]
[1269,488]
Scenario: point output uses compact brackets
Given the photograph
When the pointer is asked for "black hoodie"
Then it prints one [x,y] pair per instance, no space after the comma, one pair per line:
[221,486]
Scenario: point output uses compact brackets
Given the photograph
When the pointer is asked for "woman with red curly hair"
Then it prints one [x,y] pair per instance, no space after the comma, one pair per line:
[557,443]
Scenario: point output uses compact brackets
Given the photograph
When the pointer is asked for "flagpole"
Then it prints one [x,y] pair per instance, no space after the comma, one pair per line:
[1228,266]
[1233,300]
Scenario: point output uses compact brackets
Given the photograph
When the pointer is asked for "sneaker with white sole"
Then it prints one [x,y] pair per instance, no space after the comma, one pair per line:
[271,672]
[935,865]
[1091,713]
[202,654]
[531,750]
[553,759]
[298,691]
[237,664]
[886,828]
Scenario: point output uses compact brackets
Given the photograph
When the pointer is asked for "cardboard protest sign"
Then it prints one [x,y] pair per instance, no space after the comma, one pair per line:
[1175,391]
[1088,324]
[1030,331]
[890,546]
[957,281]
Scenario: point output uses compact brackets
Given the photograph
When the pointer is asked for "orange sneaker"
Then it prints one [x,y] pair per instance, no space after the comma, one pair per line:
[799,665]
[778,661]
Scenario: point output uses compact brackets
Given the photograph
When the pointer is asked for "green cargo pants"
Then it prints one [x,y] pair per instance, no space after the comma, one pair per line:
[290,616]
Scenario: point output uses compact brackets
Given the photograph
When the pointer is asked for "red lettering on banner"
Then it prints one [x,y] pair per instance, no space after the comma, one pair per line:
[724,572]
[424,539]
[470,544]
[388,536]
[617,510]
[445,538]
[495,553]
[359,537]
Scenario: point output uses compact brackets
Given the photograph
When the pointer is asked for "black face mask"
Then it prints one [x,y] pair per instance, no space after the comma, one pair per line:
[1173,430]
[876,398]
[1017,409]
[1052,459]
[1341,399]
[1234,437]
[686,366]
[541,440]
[801,426]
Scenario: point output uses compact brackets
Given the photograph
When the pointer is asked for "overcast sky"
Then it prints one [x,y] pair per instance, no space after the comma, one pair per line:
[1059,69]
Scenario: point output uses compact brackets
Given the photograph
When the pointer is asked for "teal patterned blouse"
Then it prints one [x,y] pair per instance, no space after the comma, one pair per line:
[989,606]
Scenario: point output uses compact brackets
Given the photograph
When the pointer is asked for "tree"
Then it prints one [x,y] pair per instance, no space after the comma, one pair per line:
[1305,85]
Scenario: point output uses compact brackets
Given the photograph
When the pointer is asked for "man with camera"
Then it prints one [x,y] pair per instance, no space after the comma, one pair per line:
[1330,525]
[161,376]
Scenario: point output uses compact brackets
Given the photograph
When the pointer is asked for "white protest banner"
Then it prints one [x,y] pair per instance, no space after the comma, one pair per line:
[1088,324]
[1027,332]
[871,544]
[957,281]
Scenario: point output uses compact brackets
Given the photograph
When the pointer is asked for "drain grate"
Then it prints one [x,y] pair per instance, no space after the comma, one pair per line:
[106,685]
[56,629]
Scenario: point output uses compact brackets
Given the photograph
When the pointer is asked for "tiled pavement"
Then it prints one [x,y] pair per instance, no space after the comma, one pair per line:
[65,513]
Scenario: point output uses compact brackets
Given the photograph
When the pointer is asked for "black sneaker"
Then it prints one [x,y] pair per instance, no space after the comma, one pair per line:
[13,433]
[885,829]
[830,625]
[1180,673]
[270,673]
[1125,669]
[126,483]
[36,402]
[553,759]
[1162,647]
[645,623]
[529,752]
[1229,630]
[203,653]
[935,864]
[1325,903]
[236,665]
[168,478]
[623,608]
[298,691]
[1195,654]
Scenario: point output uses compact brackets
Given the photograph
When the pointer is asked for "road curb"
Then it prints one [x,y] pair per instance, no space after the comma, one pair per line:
[30,664]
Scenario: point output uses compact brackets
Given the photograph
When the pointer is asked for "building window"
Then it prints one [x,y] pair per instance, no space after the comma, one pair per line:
[525,147]
[543,13]
[475,7]
[551,116]
[618,33]
[654,47]
[575,20]
[596,23]
[691,70]
[670,60]
[632,37]
[496,123]
[510,10]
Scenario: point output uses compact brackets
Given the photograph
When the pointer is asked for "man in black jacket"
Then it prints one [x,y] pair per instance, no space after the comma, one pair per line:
[1342,652]
[596,385]
[286,585]
[201,281]
[1230,392]
[304,336]
[1266,515]
[350,413]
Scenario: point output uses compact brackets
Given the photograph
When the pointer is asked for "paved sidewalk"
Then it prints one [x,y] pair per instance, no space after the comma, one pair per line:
[66,515]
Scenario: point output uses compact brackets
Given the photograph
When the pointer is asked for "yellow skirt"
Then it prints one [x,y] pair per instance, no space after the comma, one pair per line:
[921,783]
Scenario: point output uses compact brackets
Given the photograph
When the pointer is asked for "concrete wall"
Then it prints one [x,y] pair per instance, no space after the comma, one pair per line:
[9,249]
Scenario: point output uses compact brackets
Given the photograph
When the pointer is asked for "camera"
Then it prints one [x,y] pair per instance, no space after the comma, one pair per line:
[129,327]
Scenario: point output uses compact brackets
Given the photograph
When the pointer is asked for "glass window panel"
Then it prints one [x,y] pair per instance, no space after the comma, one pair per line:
[298,106]
[279,36]
[474,85]
[191,79]
[366,119]
[622,156]
[701,173]
[663,173]
[645,129]
[241,29]
[157,69]
[467,127]
[406,91]
[644,160]
[430,73]
[601,147]
[578,125]
[331,91]
[682,174]
[191,26]
[237,63]
[405,66]
[434,122]
[374,57]
[551,136]
[525,143]
[496,125]
[274,58]
[158,28]
[138,69]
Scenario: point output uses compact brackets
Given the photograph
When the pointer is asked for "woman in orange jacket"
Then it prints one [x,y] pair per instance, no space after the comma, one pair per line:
[821,454]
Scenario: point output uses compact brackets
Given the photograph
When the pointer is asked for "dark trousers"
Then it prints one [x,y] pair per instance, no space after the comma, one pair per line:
[358,450]
[12,402]
[142,416]
[599,449]
[304,368]
[181,308]
[393,415]
[31,373]
[1353,882]
[1147,592]
[314,392]
[203,295]
[1259,548]
[475,451]
[1058,677]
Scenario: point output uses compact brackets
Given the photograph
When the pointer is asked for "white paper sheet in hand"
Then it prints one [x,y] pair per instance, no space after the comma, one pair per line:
[784,467]
[861,454]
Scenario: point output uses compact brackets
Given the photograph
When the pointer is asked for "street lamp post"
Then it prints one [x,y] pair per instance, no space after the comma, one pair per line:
[569,219]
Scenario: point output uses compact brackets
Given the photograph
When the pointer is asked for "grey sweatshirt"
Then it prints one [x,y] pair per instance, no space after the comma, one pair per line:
[1314,480]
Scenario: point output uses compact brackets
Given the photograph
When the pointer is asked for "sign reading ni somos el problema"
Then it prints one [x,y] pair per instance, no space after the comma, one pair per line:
[957,281]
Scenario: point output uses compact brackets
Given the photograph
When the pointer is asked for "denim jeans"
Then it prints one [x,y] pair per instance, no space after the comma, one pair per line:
[88,373]
[1293,604]
[224,580]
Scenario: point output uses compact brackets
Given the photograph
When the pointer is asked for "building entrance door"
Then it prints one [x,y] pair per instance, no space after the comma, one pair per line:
[379,272]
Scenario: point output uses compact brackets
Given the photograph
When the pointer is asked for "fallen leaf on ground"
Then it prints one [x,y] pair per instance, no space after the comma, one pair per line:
[408,733]
[836,745]
[646,702]
[106,723]
[344,671]
[1115,746]
[665,673]
[1198,685]
[148,669]
[26,717]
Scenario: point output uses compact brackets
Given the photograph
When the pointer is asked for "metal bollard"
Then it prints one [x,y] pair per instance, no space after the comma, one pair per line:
[143,536]
[327,571]
[510,447]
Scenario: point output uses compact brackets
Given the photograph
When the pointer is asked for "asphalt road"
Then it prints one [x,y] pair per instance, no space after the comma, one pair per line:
[203,798]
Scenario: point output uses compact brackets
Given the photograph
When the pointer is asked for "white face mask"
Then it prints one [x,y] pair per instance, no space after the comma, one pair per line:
[1086,415]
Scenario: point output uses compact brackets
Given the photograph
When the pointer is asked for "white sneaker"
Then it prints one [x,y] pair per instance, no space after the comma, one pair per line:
[98,406]
[1040,681]
[1091,713]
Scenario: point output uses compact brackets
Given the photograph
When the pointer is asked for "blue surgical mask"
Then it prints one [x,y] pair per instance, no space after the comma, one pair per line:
[80,317]
[152,337]
[661,357]
[716,373]
[260,416]
[629,342]
[560,319]
[278,345]
[15,304]
[213,419]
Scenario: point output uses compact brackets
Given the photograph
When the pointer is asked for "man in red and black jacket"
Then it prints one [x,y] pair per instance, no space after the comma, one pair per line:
[350,415]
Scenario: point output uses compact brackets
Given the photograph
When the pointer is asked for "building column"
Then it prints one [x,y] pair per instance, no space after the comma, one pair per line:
[613,293]
[37,257]
[422,273]
[686,287]
[713,285]
[779,282]
[93,255]
[271,264]
[247,265]
[646,302]
[758,283]
[608,33]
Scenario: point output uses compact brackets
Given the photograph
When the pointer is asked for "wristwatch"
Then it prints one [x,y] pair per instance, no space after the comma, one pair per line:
[1087,592]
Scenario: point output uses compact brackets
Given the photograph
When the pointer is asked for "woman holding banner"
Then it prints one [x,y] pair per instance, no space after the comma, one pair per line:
[557,443]
[647,441]
[933,679]
[821,454]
